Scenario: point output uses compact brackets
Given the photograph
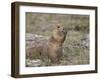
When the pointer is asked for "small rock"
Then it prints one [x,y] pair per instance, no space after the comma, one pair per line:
[33,63]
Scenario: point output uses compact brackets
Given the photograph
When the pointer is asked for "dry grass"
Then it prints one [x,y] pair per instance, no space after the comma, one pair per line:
[78,28]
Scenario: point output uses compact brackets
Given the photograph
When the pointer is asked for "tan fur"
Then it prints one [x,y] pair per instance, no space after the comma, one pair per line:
[55,44]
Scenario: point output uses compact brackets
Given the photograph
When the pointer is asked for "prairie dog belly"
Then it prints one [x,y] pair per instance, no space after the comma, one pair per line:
[54,52]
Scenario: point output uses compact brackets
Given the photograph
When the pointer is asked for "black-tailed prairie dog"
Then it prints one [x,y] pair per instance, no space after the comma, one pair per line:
[55,44]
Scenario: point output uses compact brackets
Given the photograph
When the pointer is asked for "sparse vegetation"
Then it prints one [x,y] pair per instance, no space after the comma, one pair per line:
[75,51]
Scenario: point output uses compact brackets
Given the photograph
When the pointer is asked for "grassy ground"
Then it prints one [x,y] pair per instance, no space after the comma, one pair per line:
[78,29]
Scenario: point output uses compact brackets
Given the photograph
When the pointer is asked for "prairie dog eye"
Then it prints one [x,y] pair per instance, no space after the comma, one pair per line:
[58,26]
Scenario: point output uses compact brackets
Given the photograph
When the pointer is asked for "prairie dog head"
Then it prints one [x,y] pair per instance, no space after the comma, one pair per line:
[59,32]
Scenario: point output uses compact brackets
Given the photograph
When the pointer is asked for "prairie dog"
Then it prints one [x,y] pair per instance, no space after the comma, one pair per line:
[55,43]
